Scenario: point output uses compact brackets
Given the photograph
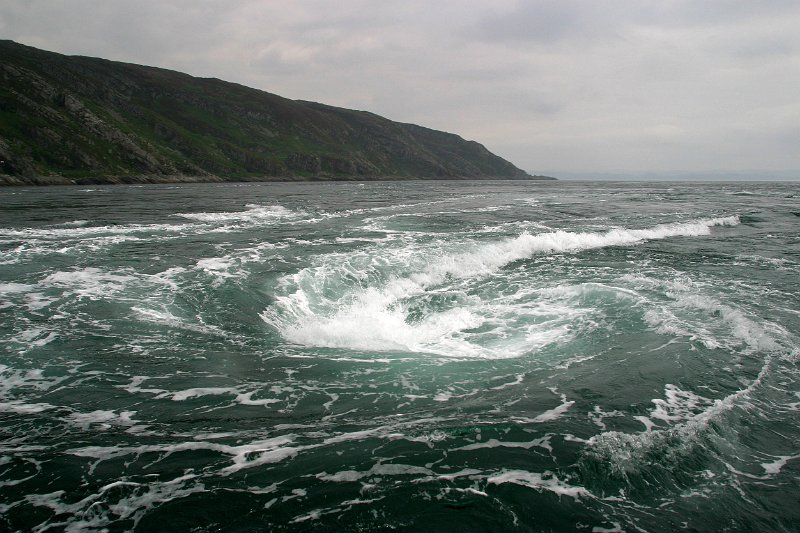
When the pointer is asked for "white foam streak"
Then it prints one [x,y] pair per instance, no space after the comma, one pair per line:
[89,282]
[252,214]
[21,408]
[90,232]
[11,379]
[79,237]
[678,405]
[554,413]
[165,318]
[102,419]
[687,297]
[380,469]
[260,452]
[543,442]
[243,456]
[113,502]
[202,391]
[14,288]
[774,468]
[539,482]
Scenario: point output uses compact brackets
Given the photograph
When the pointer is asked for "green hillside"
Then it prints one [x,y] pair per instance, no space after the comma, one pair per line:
[82,119]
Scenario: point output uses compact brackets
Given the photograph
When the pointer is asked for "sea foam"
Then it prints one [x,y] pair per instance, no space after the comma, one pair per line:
[252,213]
[324,307]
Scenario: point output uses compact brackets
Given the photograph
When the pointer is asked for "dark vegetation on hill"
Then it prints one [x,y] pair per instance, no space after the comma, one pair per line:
[66,119]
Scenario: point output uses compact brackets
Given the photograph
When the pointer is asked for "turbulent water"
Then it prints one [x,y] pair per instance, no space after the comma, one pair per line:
[418,355]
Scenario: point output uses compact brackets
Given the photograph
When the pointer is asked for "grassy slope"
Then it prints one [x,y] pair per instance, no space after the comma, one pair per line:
[86,118]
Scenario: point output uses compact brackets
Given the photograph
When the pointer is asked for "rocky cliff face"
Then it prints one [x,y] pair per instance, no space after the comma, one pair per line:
[86,119]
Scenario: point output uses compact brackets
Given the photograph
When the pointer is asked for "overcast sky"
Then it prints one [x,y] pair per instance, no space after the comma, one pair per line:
[562,87]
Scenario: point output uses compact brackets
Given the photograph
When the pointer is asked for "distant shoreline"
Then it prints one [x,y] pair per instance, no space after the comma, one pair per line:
[44,181]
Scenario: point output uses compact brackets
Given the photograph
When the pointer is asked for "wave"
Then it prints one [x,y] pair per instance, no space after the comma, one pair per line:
[72,224]
[89,282]
[488,258]
[364,302]
[79,236]
[695,420]
[84,231]
[78,229]
[252,213]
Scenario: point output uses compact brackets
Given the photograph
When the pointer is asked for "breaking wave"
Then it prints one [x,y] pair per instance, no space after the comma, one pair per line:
[376,302]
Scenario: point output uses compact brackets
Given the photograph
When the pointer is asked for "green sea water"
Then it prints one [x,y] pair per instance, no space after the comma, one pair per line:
[437,356]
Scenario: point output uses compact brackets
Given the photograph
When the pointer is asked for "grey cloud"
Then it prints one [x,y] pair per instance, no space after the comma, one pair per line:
[545,21]
[693,13]
[577,22]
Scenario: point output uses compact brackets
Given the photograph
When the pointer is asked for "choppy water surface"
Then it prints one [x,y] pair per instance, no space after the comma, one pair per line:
[438,356]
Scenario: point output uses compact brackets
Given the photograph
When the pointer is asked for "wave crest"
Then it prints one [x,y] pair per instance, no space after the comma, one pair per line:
[368,302]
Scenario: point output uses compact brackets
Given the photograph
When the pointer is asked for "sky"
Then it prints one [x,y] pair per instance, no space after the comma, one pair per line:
[571,88]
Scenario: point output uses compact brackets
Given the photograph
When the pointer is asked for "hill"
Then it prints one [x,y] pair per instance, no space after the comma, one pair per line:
[67,119]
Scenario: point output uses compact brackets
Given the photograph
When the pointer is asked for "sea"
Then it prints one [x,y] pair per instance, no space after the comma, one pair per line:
[400,356]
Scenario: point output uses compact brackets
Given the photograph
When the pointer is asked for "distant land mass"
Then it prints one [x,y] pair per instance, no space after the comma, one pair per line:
[72,119]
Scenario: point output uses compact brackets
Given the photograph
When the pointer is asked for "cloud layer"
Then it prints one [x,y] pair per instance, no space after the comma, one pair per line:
[554,86]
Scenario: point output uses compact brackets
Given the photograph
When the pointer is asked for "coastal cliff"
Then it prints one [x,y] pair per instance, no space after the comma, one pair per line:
[70,119]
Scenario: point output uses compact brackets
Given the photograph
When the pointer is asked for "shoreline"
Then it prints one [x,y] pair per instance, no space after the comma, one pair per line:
[55,180]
